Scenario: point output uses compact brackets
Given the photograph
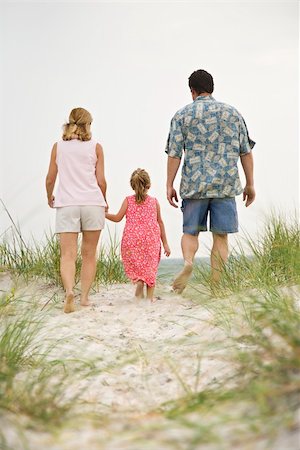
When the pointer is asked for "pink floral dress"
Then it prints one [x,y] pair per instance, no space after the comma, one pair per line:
[140,246]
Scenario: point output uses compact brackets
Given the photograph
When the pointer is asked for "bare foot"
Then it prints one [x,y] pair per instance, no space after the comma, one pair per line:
[85,302]
[69,303]
[139,291]
[180,282]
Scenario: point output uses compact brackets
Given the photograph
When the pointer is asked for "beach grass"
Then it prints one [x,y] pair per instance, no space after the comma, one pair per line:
[34,260]
[256,304]
[40,388]
[30,382]
[273,259]
[255,307]
[261,397]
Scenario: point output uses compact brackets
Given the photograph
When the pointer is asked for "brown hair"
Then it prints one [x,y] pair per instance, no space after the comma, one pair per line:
[140,183]
[201,81]
[79,124]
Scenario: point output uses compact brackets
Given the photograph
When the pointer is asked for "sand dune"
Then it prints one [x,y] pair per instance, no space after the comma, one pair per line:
[145,354]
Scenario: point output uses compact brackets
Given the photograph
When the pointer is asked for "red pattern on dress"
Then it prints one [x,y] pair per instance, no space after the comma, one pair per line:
[140,246]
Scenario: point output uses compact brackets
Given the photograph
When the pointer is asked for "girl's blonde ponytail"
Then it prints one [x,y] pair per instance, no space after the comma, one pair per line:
[140,183]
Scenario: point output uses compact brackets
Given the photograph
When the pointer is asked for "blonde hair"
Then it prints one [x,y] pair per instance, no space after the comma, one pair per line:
[140,183]
[79,124]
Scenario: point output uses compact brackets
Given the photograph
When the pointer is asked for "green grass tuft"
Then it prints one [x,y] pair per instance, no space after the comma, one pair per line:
[274,260]
[42,260]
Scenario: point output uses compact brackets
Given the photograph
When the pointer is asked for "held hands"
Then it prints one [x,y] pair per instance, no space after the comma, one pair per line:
[167,250]
[172,194]
[51,201]
[249,195]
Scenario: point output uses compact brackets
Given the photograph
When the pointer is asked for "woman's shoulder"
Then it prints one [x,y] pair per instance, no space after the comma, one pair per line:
[98,148]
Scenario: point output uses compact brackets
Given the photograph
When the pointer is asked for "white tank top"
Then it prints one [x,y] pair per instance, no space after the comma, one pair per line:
[76,162]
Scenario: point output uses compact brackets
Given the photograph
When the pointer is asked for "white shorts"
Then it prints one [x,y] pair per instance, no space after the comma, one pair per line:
[73,219]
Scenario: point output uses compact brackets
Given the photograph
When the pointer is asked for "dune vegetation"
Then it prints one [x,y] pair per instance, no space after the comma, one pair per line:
[249,323]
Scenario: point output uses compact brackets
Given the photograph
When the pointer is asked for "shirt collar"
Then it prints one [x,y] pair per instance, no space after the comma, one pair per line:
[204,97]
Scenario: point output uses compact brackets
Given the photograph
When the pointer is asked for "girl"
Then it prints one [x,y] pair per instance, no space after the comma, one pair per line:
[144,229]
[80,201]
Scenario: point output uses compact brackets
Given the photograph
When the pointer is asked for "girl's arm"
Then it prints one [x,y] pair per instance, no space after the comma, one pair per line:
[51,176]
[119,216]
[100,170]
[163,235]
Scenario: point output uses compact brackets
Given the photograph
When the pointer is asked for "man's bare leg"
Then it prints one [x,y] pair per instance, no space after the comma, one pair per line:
[189,246]
[219,256]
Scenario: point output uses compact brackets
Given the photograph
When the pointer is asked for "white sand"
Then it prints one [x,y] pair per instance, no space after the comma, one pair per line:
[150,355]
[162,338]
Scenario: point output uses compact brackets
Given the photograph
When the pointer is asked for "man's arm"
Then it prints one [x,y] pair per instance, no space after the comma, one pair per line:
[173,165]
[174,148]
[249,191]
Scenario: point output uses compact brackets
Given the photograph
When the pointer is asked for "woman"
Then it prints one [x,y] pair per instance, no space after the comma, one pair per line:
[80,201]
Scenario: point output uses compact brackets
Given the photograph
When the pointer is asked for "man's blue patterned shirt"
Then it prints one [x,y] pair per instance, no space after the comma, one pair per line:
[212,135]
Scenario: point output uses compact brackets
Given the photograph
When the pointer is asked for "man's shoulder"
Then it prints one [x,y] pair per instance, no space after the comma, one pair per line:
[189,108]
[182,112]
[229,108]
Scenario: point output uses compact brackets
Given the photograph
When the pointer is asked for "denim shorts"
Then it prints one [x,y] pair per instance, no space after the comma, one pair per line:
[222,215]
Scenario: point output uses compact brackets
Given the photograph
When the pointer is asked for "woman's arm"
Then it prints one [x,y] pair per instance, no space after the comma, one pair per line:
[119,216]
[51,176]
[100,170]
[163,235]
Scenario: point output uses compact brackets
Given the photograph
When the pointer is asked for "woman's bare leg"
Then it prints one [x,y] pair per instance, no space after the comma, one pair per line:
[88,269]
[68,254]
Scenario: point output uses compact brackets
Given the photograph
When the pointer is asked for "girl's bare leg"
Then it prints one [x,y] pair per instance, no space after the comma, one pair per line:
[88,270]
[68,254]
[139,291]
[150,293]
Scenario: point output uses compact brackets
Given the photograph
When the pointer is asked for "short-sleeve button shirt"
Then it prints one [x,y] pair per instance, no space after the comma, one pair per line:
[212,136]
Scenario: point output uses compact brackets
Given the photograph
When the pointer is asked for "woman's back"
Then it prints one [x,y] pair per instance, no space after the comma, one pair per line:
[80,201]
[76,162]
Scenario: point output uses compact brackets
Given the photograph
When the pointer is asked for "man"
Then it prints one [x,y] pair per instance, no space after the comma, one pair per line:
[213,136]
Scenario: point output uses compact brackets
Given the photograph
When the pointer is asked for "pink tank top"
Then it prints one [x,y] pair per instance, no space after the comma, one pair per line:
[76,162]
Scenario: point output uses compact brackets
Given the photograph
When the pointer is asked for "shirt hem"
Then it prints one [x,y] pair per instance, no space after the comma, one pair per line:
[80,204]
[199,197]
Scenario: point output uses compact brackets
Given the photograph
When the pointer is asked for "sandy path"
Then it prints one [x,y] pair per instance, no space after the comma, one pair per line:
[164,339]
[145,354]
[149,355]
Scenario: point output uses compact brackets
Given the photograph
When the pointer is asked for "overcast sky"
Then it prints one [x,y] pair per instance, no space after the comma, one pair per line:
[128,63]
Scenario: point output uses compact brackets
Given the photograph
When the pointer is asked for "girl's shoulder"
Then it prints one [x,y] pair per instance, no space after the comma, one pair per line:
[153,199]
[130,198]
